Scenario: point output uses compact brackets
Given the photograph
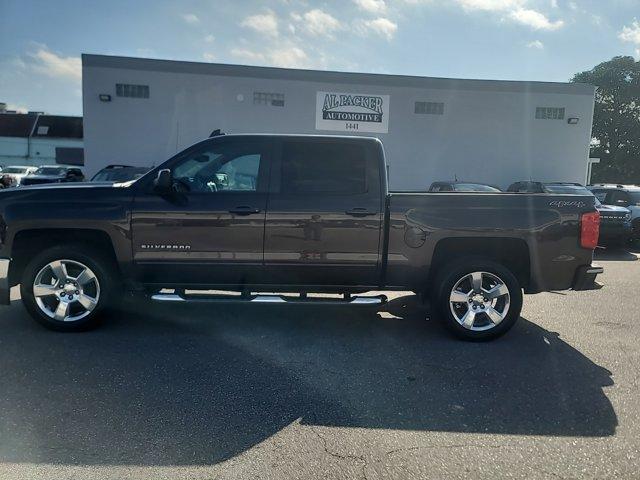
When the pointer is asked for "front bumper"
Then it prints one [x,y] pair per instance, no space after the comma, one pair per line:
[615,233]
[4,281]
[585,277]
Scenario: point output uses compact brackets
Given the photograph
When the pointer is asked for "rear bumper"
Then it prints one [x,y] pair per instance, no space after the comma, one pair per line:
[585,277]
[4,281]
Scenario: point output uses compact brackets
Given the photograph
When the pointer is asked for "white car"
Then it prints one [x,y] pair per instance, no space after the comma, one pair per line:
[12,176]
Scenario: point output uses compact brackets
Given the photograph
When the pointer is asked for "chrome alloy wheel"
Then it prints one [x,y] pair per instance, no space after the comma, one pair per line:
[479,301]
[66,290]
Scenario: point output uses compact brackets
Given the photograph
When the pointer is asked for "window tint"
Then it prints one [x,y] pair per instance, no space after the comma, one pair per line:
[323,167]
[600,195]
[619,197]
[220,168]
[50,171]
[635,196]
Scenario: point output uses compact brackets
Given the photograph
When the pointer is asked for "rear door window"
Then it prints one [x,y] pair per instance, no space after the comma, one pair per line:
[332,168]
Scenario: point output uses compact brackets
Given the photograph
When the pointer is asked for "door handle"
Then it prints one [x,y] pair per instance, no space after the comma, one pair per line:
[360,212]
[244,210]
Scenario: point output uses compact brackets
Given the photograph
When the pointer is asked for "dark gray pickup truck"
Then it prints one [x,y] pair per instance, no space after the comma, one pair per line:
[287,213]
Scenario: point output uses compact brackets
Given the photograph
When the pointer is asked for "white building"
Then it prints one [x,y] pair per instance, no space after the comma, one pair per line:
[142,111]
[34,139]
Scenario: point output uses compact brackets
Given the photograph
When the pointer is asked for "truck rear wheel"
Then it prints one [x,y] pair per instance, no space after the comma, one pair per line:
[66,288]
[478,299]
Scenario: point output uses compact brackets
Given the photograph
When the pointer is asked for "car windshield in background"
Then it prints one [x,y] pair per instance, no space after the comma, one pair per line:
[119,175]
[567,189]
[635,195]
[570,190]
[14,170]
[474,187]
[50,171]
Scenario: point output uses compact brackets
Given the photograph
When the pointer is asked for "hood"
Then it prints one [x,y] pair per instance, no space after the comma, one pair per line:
[613,209]
[13,175]
[69,186]
[46,177]
[66,193]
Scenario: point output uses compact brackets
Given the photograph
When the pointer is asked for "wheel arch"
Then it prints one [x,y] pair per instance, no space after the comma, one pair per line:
[27,243]
[512,253]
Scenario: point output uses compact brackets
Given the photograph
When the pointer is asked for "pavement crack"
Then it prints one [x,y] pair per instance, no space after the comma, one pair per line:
[341,456]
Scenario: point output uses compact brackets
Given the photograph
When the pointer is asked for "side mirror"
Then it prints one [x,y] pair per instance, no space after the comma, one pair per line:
[164,181]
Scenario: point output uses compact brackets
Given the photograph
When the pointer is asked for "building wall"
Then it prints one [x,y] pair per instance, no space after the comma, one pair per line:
[36,152]
[487,133]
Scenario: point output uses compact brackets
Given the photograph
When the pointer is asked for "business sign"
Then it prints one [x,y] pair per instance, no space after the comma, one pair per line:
[352,112]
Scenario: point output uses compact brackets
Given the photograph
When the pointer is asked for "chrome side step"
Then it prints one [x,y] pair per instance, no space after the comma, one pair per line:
[264,298]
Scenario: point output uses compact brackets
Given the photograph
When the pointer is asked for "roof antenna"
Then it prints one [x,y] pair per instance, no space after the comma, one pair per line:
[216,133]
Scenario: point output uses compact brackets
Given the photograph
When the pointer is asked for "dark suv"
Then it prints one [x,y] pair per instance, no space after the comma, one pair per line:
[54,174]
[626,196]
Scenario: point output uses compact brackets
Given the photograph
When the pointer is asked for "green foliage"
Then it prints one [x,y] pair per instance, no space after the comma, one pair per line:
[616,120]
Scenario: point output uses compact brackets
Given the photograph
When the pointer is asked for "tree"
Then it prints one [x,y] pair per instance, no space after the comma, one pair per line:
[616,119]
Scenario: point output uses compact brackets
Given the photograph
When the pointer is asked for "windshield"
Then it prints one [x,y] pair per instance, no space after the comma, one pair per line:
[119,175]
[50,171]
[635,195]
[18,170]
[474,187]
[570,190]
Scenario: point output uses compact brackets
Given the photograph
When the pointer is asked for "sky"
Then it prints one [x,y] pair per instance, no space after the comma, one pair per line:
[545,40]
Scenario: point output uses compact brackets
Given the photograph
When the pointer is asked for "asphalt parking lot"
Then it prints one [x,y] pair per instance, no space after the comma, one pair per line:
[328,392]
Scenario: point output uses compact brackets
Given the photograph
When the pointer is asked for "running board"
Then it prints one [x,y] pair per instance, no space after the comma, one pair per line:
[261,298]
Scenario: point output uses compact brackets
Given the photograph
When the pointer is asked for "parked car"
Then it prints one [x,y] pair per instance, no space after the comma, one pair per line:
[615,222]
[627,196]
[295,213]
[54,174]
[13,175]
[119,173]
[462,187]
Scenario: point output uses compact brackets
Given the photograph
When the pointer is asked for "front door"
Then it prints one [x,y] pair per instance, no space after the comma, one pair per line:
[210,231]
[324,217]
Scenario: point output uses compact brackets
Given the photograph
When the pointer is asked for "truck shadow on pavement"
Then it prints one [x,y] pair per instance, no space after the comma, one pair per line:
[616,254]
[196,386]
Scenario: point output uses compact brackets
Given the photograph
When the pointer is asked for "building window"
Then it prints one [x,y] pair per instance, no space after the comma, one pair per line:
[550,113]
[429,108]
[264,98]
[132,91]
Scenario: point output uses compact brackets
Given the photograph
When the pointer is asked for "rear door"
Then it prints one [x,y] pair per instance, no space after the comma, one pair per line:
[211,231]
[324,215]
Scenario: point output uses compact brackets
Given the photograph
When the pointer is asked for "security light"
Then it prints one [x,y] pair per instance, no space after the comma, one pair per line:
[104,97]
[573,120]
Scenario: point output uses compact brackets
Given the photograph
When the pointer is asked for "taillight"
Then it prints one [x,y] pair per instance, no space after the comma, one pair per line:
[589,230]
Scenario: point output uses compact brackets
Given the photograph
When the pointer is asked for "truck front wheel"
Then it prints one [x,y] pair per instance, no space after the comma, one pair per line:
[478,299]
[66,287]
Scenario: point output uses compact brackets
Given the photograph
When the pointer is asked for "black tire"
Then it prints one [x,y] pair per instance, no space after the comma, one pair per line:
[102,267]
[447,279]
